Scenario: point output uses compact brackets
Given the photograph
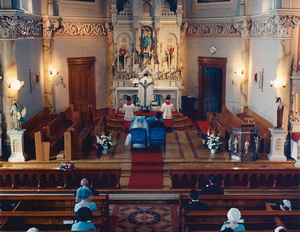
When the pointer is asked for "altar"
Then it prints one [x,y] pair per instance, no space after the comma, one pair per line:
[121,92]
[147,45]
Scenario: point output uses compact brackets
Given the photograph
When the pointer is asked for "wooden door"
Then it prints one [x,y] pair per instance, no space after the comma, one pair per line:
[212,80]
[82,82]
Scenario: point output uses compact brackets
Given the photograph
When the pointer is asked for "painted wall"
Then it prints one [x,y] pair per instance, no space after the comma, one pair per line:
[80,47]
[226,48]
[29,56]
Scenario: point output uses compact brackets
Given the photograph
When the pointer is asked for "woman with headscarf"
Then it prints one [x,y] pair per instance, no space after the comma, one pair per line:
[234,218]
[84,197]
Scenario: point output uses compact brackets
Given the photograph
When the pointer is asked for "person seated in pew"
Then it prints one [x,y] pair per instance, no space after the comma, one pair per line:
[158,122]
[228,229]
[85,182]
[212,188]
[195,204]
[279,229]
[83,216]
[286,205]
[84,196]
[33,229]
[234,218]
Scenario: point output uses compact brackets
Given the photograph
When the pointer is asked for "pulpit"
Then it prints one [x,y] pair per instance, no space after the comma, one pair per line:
[17,145]
[278,138]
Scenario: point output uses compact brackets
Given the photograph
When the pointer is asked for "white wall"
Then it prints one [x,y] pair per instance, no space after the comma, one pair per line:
[30,56]
[263,55]
[78,47]
[226,48]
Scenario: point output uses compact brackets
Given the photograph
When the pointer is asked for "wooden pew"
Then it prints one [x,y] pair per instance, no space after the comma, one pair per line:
[54,131]
[50,220]
[34,124]
[52,179]
[56,203]
[81,129]
[254,219]
[237,178]
[223,122]
[264,125]
[69,114]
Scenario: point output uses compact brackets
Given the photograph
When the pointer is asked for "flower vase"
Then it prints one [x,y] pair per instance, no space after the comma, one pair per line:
[104,149]
[213,151]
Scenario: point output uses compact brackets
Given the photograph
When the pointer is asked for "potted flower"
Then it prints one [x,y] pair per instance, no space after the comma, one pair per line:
[213,141]
[104,142]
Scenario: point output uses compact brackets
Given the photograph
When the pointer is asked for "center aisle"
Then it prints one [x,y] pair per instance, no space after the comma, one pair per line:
[146,170]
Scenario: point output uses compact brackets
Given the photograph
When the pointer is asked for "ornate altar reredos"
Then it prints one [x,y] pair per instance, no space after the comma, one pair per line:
[146,40]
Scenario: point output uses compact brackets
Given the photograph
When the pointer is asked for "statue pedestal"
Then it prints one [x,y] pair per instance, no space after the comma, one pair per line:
[17,145]
[278,138]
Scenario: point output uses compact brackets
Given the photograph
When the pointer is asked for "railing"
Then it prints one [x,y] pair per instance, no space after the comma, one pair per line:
[240,178]
[55,178]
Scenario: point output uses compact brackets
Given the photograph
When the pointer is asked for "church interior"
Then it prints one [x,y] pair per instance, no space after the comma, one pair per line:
[231,69]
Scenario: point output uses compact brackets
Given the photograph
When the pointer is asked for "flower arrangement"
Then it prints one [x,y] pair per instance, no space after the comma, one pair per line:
[213,140]
[67,166]
[104,142]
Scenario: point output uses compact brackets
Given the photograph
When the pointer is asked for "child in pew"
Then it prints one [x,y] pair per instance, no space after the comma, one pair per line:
[84,197]
[234,218]
[83,216]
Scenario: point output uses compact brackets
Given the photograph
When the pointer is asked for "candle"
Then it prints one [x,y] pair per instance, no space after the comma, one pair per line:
[118,64]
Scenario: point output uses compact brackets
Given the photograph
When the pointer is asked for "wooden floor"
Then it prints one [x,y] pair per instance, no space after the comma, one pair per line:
[184,149]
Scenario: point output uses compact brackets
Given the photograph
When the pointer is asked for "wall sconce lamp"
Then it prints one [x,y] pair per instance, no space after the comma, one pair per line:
[53,72]
[239,72]
[16,85]
[278,84]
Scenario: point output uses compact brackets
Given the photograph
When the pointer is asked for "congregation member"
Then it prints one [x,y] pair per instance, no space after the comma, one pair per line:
[286,205]
[85,182]
[158,122]
[84,197]
[167,108]
[33,229]
[279,229]
[128,110]
[212,188]
[195,204]
[234,218]
[83,217]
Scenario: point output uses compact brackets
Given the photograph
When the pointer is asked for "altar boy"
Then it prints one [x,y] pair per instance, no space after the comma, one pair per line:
[167,108]
[128,110]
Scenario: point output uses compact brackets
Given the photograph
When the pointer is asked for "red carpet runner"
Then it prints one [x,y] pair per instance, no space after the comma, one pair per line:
[146,170]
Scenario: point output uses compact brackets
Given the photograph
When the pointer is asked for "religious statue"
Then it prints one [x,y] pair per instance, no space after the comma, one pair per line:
[246,146]
[256,141]
[146,40]
[229,143]
[279,107]
[17,115]
[235,143]
[145,91]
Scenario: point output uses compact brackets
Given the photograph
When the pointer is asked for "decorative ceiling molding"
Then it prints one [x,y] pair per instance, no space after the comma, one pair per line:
[82,29]
[50,26]
[12,27]
[215,29]
[274,26]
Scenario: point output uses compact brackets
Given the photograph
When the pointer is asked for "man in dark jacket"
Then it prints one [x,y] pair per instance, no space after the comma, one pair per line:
[212,188]
[195,204]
